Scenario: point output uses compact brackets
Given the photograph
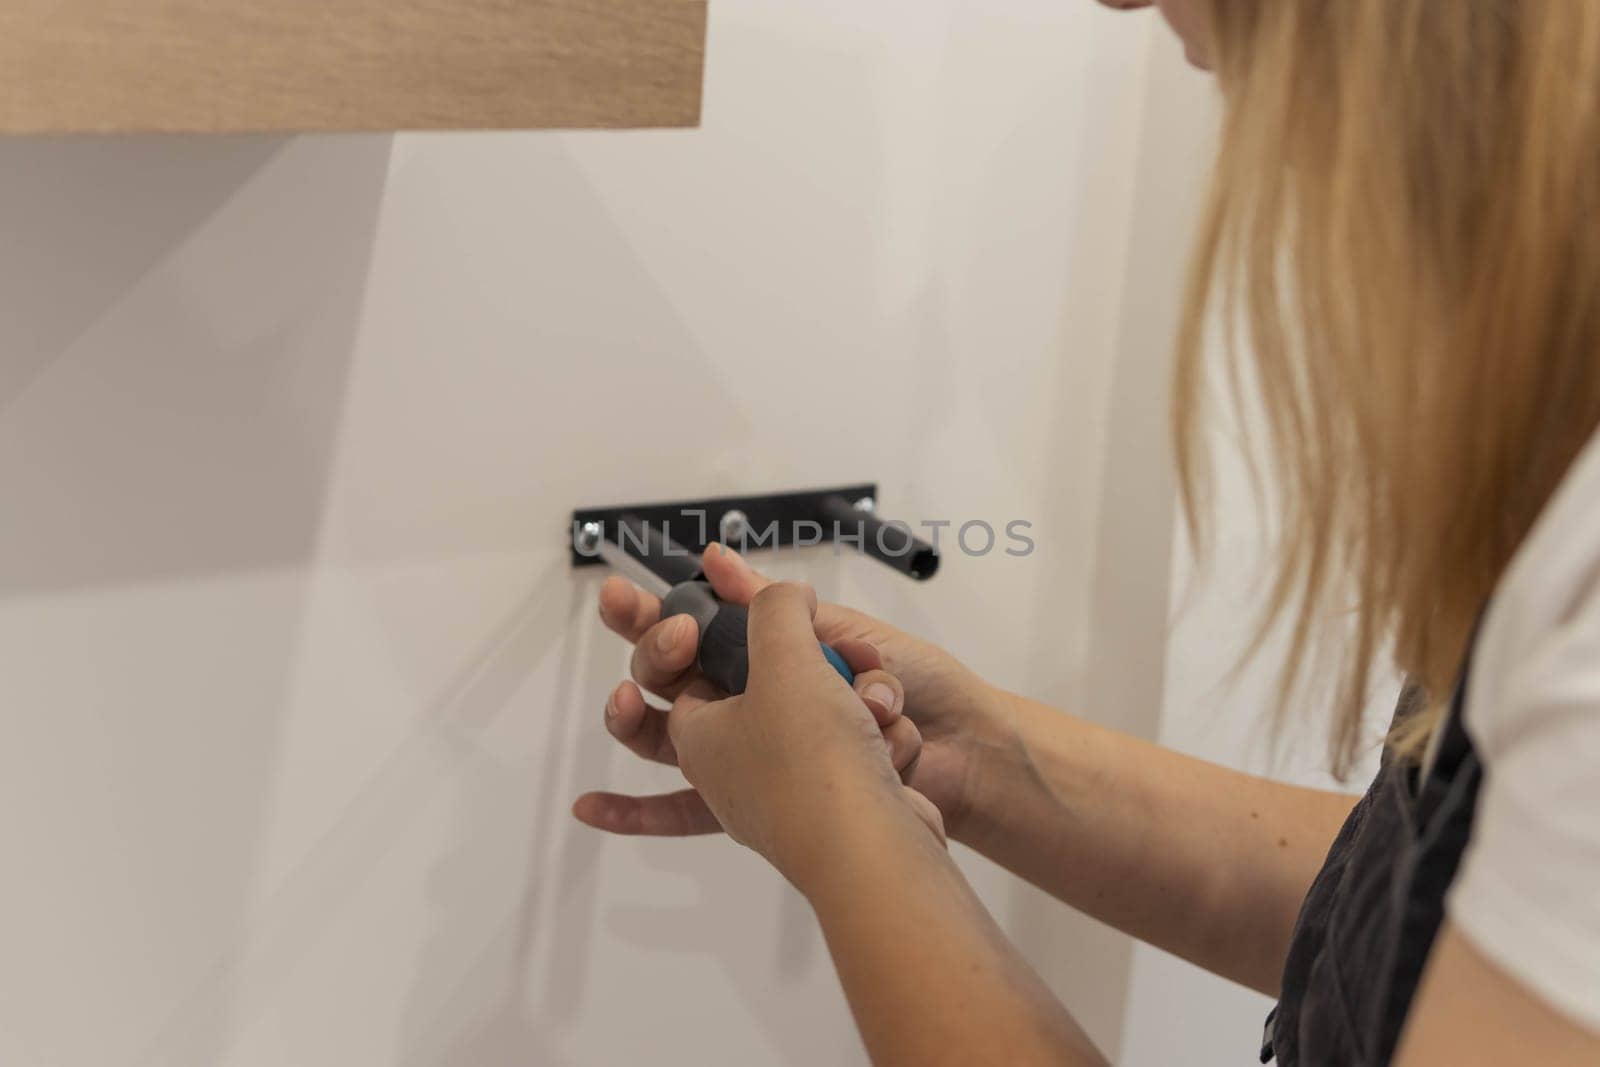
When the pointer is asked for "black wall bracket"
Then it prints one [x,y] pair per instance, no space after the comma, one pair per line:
[842,515]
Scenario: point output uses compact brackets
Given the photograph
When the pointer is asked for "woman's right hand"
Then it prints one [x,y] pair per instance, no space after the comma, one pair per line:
[957,713]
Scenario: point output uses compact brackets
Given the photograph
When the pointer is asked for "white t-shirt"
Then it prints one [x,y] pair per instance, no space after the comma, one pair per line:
[1528,893]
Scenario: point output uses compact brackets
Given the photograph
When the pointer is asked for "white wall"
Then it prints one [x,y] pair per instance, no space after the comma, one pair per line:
[296,686]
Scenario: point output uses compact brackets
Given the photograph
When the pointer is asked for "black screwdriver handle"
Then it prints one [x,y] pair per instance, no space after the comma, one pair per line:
[724,656]
[725,651]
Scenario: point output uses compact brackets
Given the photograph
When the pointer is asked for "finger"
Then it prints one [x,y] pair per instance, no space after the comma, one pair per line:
[626,609]
[697,693]
[928,812]
[882,693]
[859,654]
[731,575]
[905,745]
[680,814]
[782,636]
[641,728]
[736,581]
[664,654]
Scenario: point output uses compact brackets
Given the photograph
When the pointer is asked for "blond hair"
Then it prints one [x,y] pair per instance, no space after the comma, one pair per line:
[1402,245]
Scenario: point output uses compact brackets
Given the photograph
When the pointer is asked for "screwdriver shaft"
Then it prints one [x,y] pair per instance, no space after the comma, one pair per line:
[632,569]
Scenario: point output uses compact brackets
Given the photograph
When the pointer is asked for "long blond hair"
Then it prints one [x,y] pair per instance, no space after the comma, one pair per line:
[1402,246]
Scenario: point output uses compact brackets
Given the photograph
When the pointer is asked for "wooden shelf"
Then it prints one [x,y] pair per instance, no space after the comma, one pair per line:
[213,66]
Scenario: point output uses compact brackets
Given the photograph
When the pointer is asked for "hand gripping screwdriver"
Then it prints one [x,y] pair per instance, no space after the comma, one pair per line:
[724,653]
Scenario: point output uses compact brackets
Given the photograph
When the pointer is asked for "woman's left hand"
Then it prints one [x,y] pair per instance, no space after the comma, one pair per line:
[777,766]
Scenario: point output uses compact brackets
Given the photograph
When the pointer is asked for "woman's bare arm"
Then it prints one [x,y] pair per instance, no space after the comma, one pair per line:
[1202,861]
[930,977]
[1469,1011]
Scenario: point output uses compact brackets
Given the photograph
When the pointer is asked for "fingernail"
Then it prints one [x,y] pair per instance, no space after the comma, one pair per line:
[880,694]
[670,635]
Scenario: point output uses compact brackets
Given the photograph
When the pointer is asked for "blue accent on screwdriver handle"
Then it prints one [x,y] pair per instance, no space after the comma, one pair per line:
[837,662]
[724,653]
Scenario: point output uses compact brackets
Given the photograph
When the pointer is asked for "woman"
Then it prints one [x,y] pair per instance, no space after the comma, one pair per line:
[1405,227]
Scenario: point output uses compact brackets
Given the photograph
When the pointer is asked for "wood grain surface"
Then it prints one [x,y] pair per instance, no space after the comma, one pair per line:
[292,65]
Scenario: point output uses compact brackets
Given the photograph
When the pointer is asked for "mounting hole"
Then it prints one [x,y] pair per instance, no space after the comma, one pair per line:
[924,563]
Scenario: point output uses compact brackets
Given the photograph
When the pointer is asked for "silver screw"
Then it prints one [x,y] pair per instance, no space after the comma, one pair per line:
[866,504]
[589,537]
[734,526]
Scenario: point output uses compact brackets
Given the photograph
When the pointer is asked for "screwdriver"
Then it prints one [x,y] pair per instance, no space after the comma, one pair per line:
[723,655]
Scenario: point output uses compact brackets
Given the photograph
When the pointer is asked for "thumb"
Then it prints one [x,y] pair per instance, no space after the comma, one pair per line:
[782,635]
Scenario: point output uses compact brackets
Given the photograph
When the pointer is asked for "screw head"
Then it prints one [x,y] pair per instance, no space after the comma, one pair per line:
[589,536]
[866,504]
[734,525]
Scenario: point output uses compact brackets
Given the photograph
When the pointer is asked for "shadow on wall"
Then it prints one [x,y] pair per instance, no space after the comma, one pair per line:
[488,1017]
[84,220]
[144,356]
[171,387]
